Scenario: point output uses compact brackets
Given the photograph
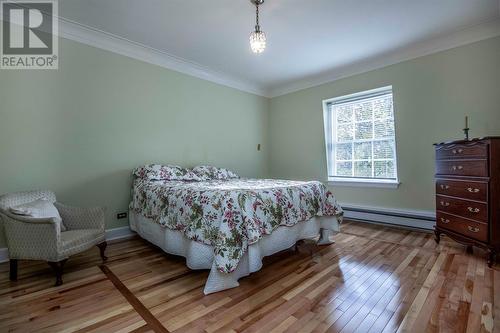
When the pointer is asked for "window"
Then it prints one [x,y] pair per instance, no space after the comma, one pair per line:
[360,138]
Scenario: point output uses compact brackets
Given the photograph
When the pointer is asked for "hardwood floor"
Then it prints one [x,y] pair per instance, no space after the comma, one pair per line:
[373,279]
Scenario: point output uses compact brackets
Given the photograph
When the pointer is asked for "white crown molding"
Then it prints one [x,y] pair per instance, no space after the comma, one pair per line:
[113,43]
[110,42]
[462,37]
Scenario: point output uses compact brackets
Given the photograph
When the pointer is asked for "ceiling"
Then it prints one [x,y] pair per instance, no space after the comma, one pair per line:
[306,39]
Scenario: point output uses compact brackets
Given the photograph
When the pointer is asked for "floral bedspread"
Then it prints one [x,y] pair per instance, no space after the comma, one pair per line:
[231,214]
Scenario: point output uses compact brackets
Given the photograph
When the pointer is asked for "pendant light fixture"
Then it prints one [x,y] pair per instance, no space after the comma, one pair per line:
[257,37]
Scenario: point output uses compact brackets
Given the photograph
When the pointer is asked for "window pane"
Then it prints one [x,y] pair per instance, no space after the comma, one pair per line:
[383,107]
[344,114]
[384,128]
[383,149]
[344,151]
[344,132]
[363,111]
[362,134]
[362,151]
[363,169]
[384,169]
[363,130]
[344,169]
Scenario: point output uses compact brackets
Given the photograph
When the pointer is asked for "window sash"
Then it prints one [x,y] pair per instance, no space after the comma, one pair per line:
[369,97]
[331,134]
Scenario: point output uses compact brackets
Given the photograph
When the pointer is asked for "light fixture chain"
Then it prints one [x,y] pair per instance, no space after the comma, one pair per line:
[257,13]
[257,37]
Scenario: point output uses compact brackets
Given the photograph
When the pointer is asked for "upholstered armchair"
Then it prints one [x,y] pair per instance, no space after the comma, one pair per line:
[31,238]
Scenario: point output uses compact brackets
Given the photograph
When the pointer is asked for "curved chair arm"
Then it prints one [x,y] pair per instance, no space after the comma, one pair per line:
[81,218]
[32,238]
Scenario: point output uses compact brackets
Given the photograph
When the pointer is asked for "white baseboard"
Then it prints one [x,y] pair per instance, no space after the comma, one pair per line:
[406,218]
[111,234]
[119,233]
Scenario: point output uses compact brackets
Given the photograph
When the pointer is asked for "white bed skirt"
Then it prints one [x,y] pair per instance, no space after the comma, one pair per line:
[201,256]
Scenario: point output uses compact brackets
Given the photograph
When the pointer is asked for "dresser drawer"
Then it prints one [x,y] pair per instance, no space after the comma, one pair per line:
[463,189]
[462,226]
[457,151]
[468,209]
[473,168]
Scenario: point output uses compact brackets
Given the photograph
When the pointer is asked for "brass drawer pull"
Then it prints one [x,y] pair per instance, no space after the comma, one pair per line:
[445,187]
[457,151]
[473,210]
[473,229]
[473,190]
[459,167]
[445,220]
[443,203]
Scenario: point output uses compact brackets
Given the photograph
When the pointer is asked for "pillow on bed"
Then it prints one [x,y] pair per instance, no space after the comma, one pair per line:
[191,176]
[211,172]
[165,172]
[159,172]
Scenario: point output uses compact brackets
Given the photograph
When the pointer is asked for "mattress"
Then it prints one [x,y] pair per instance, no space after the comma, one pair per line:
[230,215]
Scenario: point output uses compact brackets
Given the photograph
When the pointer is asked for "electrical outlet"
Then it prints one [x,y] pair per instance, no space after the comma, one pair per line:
[120,216]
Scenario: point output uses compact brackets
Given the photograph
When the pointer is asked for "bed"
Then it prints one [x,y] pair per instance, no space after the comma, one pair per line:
[229,225]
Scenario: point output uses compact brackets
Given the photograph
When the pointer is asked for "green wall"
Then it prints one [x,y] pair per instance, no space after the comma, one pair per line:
[432,95]
[80,130]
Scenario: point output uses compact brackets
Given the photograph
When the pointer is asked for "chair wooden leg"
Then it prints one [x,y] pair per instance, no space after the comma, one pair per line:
[102,248]
[58,269]
[13,270]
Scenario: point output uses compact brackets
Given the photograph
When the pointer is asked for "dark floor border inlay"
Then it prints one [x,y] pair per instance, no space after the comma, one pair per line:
[148,317]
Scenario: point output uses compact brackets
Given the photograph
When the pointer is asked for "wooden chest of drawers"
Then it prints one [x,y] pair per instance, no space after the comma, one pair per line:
[468,193]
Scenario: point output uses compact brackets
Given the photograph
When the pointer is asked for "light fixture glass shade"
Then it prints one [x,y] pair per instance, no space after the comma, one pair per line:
[258,41]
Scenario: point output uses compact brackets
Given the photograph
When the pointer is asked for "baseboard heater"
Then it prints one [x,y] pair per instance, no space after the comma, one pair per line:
[414,219]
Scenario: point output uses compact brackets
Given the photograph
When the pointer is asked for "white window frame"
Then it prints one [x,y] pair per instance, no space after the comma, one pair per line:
[329,133]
